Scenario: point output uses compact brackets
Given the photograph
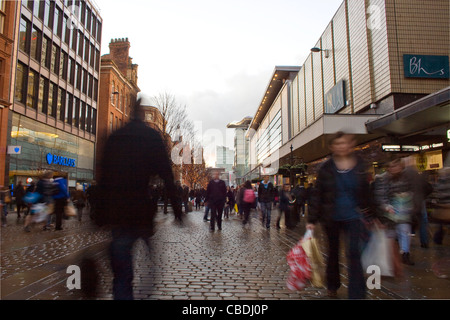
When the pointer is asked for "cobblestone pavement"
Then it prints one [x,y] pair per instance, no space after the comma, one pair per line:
[187,261]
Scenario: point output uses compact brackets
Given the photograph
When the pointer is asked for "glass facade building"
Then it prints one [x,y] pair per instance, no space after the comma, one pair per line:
[56,89]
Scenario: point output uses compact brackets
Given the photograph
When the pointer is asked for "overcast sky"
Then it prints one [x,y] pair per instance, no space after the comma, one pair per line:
[215,56]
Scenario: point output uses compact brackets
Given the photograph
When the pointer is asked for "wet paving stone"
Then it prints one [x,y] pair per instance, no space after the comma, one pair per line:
[184,261]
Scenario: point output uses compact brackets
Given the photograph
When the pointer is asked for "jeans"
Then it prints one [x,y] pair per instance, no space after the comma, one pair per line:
[403,232]
[205,217]
[216,215]
[424,225]
[266,208]
[123,239]
[353,231]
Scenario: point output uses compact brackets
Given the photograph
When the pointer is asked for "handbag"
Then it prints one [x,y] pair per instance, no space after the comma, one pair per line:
[441,212]
[69,209]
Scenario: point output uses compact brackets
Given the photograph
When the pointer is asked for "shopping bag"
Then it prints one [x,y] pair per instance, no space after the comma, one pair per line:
[32,197]
[298,262]
[39,211]
[315,258]
[69,210]
[378,252]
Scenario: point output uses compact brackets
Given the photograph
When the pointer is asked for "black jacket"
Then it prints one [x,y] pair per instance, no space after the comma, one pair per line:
[216,193]
[131,157]
[266,194]
[323,197]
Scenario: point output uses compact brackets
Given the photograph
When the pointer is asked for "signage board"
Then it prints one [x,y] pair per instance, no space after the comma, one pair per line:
[335,98]
[59,160]
[426,66]
[14,149]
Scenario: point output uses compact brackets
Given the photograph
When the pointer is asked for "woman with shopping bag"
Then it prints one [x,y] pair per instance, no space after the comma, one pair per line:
[340,202]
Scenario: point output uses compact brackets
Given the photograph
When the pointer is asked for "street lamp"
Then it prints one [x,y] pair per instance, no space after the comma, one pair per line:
[316,49]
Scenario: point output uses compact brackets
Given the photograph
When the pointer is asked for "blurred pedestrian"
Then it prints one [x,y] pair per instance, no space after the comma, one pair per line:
[132,157]
[286,207]
[60,197]
[42,194]
[19,193]
[3,205]
[198,199]
[339,202]
[216,194]
[92,196]
[79,200]
[401,202]
[247,201]
[266,196]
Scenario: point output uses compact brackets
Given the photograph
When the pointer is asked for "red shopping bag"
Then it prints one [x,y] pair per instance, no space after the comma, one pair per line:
[300,266]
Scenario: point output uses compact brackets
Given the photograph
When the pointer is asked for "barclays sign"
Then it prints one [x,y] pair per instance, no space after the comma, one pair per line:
[59,160]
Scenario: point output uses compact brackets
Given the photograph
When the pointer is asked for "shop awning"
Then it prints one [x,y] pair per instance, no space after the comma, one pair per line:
[426,113]
[312,143]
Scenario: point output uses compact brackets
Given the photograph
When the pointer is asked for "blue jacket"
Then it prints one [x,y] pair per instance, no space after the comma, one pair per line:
[61,185]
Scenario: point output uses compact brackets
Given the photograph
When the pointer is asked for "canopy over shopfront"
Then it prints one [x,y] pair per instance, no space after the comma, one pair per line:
[430,112]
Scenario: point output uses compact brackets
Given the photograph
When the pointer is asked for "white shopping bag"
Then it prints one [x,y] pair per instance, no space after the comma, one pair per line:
[378,252]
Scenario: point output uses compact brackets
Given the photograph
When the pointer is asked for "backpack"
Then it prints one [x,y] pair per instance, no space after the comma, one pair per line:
[249,196]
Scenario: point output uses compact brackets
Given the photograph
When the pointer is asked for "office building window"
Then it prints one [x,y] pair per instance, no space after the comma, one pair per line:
[80,44]
[32,88]
[76,113]
[88,118]
[71,69]
[68,109]
[74,39]
[52,96]
[59,105]
[83,116]
[41,105]
[87,47]
[20,83]
[36,6]
[94,121]
[113,90]
[78,71]
[95,90]
[24,35]
[63,65]
[90,86]
[64,32]
[48,13]
[54,65]
[36,37]
[85,81]
[46,52]
[58,23]
[111,122]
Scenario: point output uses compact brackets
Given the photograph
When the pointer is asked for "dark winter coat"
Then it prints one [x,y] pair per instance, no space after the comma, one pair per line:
[323,197]
[266,194]
[132,156]
[216,192]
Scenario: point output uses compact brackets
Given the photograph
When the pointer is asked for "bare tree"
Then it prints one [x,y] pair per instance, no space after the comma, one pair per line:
[177,122]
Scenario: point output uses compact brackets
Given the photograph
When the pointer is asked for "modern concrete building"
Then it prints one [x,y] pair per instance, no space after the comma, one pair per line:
[373,59]
[241,148]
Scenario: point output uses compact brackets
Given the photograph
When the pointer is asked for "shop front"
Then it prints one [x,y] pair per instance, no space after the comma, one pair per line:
[44,148]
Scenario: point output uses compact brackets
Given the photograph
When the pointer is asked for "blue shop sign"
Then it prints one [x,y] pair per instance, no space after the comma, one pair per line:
[425,66]
[59,160]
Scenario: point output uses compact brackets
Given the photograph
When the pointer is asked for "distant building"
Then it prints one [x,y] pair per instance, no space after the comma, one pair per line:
[241,147]
[224,158]
[118,92]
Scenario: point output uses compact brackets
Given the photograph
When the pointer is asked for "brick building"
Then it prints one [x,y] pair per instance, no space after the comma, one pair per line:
[118,91]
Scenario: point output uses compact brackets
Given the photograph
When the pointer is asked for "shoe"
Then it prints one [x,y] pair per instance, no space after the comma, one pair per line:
[27,229]
[424,245]
[332,293]
[406,259]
